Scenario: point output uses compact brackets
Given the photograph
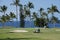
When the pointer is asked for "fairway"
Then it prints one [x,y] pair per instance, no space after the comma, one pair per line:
[46,34]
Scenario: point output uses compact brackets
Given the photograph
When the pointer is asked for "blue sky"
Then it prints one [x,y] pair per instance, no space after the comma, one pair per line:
[37,5]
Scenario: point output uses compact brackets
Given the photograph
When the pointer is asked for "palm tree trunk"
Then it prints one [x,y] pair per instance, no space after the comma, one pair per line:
[4,22]
[30,20]
[47,21]
[3,25]
[52,14]
[54,25]
[53,22]
[40,14]
[16,13]
[4,13]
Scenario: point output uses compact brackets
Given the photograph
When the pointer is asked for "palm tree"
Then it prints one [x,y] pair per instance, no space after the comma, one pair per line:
[53,9]
[12,16]
[27,12]
[35,15]
[28,7]
[54,20]
[4,19]
[3,9]
[16,3]
[36,21]
[43,17]
[7,17]
[22,16]
[41,10]
[22,22]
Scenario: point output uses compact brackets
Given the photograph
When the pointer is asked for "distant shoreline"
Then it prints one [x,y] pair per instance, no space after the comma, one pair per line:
[27,24]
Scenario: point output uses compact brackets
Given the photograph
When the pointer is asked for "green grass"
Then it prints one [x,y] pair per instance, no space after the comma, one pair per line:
[46,34]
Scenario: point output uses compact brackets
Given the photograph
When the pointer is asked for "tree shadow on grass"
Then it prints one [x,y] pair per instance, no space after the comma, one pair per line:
[17,38]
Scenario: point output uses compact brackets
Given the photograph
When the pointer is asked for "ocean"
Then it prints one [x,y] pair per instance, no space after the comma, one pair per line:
[28,24]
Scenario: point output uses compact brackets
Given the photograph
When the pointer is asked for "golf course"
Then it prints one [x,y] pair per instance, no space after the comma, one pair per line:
[29,19]
[45,34]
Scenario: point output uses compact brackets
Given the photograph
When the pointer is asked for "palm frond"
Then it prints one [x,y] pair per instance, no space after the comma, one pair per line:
[16,2]
[30,5]
[44,13]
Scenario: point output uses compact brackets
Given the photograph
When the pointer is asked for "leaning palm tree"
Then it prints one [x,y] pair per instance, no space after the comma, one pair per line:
[3,9]
[46,19]
[16,3]
[36,22]
[35,15]
[39,22]
[41,10]
[43,15]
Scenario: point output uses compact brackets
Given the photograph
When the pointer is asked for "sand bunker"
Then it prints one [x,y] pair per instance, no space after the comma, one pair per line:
[18,31]
[58,30]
